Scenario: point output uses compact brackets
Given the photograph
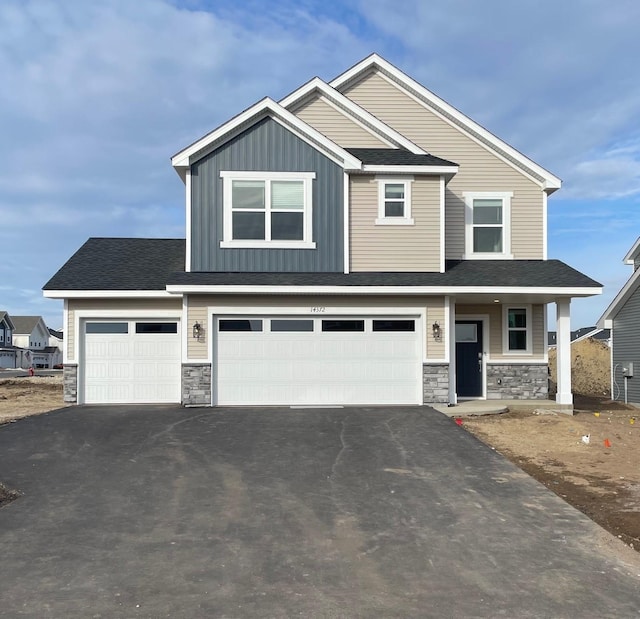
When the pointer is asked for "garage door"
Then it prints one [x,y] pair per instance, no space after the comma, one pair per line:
[7,360]
[131,361]
[318,361]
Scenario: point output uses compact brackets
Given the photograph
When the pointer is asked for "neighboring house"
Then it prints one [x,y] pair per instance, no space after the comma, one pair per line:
[7,349]
[359,242]
[32,336]
[623,318]
[56,344]
[602,335]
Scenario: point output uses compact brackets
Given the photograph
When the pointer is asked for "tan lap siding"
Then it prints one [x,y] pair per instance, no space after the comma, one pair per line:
[480,169]
[198,308]
[69,334]
[337,126]
[395,248]
[120,305]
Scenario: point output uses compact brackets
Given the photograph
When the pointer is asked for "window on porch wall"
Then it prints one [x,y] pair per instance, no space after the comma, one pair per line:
[518,330]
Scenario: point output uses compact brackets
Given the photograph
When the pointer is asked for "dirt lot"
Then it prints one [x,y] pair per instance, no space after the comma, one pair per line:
[20,397]
[602,481]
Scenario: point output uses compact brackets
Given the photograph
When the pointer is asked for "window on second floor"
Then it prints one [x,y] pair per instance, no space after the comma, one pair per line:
[267,209]
[394,202]
[488,225]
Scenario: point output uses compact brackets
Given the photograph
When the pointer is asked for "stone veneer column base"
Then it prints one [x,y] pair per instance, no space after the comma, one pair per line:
[517,381]
[435,383]
[70,383]
[196,384]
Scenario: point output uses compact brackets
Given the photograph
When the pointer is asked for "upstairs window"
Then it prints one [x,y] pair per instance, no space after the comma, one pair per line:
[488,225]
[394,202]
[268,209]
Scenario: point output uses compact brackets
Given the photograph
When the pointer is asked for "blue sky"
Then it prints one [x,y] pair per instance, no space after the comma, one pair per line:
[96,97]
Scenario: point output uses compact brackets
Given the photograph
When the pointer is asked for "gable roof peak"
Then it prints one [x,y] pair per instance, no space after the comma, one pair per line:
[374,62]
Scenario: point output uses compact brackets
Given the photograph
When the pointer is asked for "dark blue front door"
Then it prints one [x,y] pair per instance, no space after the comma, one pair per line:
[469,358]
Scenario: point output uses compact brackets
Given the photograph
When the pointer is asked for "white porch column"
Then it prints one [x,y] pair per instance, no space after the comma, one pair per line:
[563,348]
[451,335]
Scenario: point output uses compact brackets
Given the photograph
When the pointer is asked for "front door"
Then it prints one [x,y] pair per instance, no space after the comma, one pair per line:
[469,358]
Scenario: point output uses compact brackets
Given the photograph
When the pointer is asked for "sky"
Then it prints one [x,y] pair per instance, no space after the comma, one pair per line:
[95,97]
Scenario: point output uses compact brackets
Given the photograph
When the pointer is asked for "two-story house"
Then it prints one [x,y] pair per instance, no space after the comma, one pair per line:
[359,242]
[31,339]
[623,318]
[7,350]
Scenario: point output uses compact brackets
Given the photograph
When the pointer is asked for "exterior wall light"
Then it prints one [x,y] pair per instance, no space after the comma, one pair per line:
[197,330]
[436,330]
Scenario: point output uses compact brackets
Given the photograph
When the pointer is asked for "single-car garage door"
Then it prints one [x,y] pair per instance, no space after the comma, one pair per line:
[131,361]
[318,361]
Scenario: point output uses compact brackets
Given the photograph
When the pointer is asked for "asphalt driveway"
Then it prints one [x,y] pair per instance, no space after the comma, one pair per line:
[395,512]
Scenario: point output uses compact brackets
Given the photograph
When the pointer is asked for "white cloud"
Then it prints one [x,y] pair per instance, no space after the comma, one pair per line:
[554,79]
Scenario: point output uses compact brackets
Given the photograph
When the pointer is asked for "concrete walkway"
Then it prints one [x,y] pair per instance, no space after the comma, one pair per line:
[495,407]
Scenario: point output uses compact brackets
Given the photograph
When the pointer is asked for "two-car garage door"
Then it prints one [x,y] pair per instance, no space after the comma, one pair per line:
[338,360]
[131,361]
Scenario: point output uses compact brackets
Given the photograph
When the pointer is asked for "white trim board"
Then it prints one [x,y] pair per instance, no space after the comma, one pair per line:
[380,290]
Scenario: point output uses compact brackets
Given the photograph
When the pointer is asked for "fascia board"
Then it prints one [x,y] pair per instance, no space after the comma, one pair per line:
[410,169]
[266,106]
[551,182]
[363,115]
[383,290]
[106,294]
[628,259]
[620,299]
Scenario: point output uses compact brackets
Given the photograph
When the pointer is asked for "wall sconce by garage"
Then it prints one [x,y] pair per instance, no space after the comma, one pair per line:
[436,330]
[197,331]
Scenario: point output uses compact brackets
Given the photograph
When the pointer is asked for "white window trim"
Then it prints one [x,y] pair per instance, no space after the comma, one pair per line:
[469,197]
[227,240]
[505,329]
[406,220]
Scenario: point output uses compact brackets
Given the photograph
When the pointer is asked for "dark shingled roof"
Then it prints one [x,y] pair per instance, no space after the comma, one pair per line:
[521,273]
[120,264]
[396,156]
[151,264]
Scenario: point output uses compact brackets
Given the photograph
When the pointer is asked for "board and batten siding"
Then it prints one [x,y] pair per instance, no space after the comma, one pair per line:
[479,169]
[496,323]
[394,248]
[336,125]
[120,305]
[626,347]
[266,147]
[198,309]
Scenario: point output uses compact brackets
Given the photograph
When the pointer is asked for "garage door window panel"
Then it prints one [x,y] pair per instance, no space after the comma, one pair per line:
[342,325]
[107,327]
[156,327]
[285,325]
[394,325]
[239,325]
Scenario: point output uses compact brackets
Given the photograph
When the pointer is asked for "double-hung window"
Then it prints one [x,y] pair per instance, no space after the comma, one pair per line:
[488,225]
[267,209]
[394,201]
[517,330]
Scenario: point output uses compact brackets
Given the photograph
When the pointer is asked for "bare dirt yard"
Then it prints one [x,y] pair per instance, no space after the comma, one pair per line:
[600,478]
[600,474]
